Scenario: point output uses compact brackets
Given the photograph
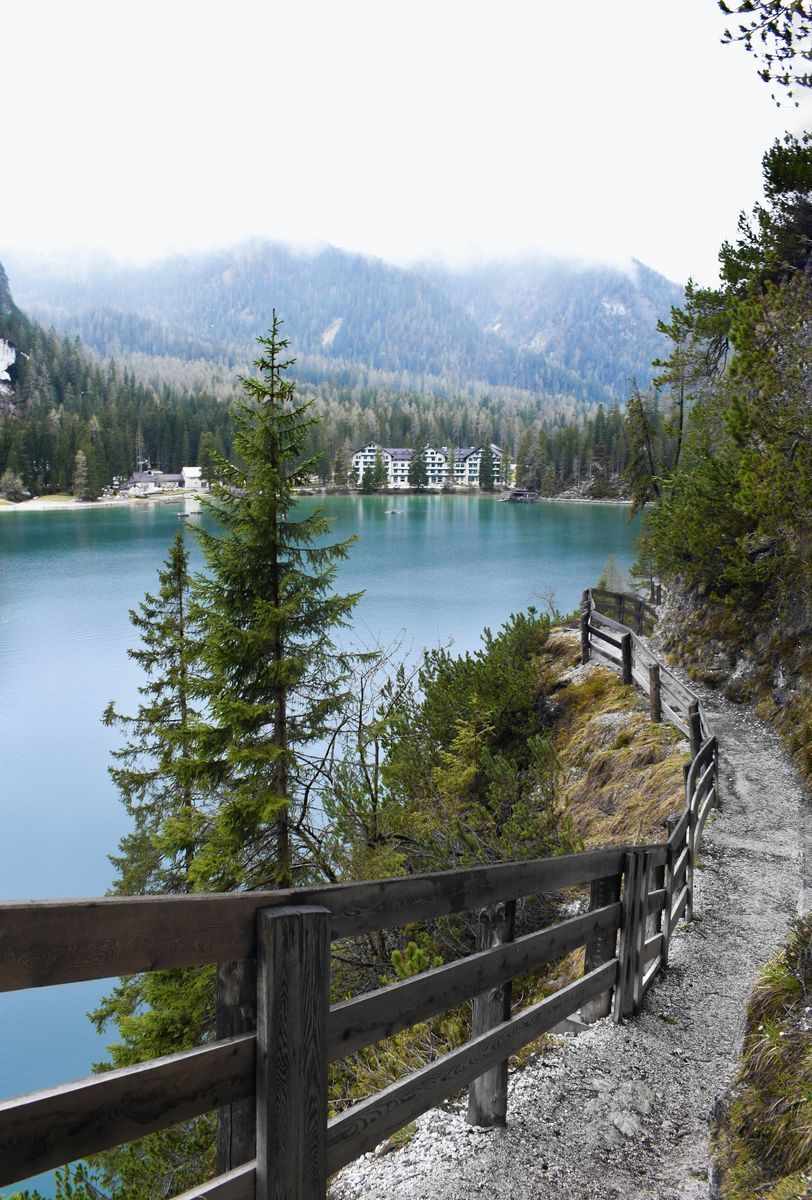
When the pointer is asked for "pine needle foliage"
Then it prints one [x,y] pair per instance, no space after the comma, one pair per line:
[156,771]
[275,680]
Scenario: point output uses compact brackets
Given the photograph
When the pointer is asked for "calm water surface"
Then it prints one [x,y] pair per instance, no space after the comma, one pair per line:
[438,568]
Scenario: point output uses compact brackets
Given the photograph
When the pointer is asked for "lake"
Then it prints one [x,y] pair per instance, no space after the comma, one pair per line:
[434,568]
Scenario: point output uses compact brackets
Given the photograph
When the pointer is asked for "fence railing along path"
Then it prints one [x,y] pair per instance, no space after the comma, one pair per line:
[277,1032]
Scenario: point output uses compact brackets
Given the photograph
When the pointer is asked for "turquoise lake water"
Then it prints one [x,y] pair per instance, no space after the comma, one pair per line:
[433,568]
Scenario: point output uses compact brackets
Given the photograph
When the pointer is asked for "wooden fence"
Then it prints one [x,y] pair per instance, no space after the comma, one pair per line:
[267,1071]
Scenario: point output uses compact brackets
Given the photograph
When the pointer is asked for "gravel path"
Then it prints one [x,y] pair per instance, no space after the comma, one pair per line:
[622,1111]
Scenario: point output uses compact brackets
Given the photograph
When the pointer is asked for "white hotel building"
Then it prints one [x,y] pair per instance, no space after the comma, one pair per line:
[467,461]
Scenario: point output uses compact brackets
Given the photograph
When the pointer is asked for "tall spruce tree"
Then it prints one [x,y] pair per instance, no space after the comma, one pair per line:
[418,470]
[156,771]
[487,469]
[274,680]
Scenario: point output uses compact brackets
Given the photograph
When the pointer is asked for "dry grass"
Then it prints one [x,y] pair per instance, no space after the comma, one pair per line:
[765,1146]
[620,775]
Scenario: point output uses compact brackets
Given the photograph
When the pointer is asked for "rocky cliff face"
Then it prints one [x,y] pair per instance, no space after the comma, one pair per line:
[8,357]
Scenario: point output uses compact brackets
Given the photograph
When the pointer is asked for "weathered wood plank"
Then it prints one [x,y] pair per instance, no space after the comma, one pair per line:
[585,635]
[676,838]
[367,1123]
[375,1015]
[695,728]
[680,867]
[49,1128]
[672,715]
[293,999]
[655,703]
[641,900]
[45,942]
[606,652]
[599,618]
[626,658]
[622,999]
[602,944]
[651,974]
[705,781]
[487,1094]
[704,812]
[640,675]
[610,639]
[642,653]
[601,593]
[652,948]
[679,909]
[239,1184]
[236,1014]
[676,689]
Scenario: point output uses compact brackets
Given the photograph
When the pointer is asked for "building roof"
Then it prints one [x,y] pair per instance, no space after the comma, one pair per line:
[404,454]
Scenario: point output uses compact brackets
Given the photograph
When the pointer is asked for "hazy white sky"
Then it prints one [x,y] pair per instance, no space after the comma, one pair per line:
[451,128]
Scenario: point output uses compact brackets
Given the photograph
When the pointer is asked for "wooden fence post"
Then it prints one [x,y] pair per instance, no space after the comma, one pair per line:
[695,727]
[629,990]
[655,701]
[293,1001]
[626,656]
[236,1013]
[585,609]
[671,822]
[644,887]
[487,1095]
[602,948]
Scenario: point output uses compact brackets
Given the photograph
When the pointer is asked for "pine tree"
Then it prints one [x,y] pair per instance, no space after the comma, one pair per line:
[157,773]
[418,470]
[486,469]
[379,476]
[80,481]
[274,678]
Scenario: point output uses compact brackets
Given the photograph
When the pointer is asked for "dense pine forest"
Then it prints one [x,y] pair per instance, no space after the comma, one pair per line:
[61,401]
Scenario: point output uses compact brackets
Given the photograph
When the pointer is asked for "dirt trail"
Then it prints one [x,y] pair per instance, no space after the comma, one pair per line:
[623,1111]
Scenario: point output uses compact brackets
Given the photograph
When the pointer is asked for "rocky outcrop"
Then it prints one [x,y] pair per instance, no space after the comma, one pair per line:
[8,357]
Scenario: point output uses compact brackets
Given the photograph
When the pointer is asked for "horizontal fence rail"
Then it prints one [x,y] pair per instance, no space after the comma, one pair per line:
[277,1032]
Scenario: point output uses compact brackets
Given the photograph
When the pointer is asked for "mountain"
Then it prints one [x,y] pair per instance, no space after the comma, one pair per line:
[597,322]
[557,331]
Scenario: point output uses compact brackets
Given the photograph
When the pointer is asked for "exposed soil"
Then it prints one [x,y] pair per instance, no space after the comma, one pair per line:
[623,1110]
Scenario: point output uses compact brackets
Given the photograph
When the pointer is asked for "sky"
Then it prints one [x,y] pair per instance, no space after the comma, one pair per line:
[453,129]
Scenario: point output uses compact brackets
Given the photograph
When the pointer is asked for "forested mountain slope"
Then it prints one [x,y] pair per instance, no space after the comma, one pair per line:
[599,322]
[565,334]
[59,401]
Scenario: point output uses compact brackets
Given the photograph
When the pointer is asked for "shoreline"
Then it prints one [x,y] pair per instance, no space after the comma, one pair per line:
[44,504]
